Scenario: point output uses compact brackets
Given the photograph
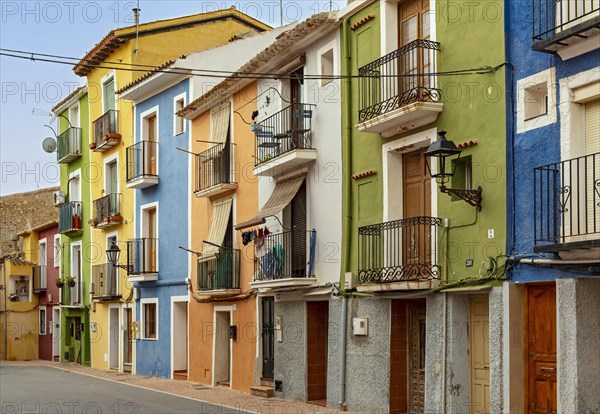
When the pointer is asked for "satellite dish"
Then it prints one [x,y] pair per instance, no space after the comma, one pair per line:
[49,145]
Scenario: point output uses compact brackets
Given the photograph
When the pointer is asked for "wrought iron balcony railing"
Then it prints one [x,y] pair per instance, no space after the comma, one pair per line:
[213,167]
[40,281]
[290,254]
[142,256]
[107,210]
[399,250]
[105,282]
[72,295]
[554,21]
[284,131]
[400,78]
[106,130]
[221,271]
[567,203]
[142,160]
[69,217]
[69,145]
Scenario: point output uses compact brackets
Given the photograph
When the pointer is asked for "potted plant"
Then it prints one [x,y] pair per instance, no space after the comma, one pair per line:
[70,281]
[93,222]
[92,145]
[59,282]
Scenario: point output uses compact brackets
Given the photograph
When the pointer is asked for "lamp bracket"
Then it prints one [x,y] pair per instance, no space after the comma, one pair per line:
[472,197]
[128,269]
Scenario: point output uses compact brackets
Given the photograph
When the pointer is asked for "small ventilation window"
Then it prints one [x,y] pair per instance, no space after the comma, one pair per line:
[536,100]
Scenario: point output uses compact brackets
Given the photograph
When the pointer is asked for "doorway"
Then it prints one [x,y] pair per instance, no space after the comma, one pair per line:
[541,382]
[479,351]
[268,337]
[407,356]
[179,339]
[56,333]
[113,338]
[150,247]
[222,348]
[127,339]
[317,343]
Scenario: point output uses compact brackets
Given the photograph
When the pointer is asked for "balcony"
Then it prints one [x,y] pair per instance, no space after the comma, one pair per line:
[106,131]
[398,255]
[105,286]
[283,141]
[107,212]
[69,146]
[287,260]
[213,172]
[69,218]
[40,279]
[568,28]
[219,275]
[142,260]
[398,92]
[72,295]
[567,208]
[142,168]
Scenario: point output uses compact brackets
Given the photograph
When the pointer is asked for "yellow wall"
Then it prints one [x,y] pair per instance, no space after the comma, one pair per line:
[246,206]
[31,246]
[152,50]
[22,319]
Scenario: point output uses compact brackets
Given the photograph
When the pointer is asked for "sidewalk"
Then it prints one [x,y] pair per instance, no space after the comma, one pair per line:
[214,395]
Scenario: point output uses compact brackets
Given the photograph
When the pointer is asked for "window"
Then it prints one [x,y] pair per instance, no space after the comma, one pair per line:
[42,320]
[42,254]
[536,101]
[150,138]
[56,256]
[326,66]
[463,175]
[149,319]
[178,122]
[74,115]
[108,94]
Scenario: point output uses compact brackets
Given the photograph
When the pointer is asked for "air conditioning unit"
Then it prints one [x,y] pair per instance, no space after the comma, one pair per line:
[59,198]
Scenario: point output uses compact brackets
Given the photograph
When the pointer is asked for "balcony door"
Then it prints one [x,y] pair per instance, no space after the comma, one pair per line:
[299,233]
[152,138]
[108,94]
[150,243]
[416,196]
[413,24]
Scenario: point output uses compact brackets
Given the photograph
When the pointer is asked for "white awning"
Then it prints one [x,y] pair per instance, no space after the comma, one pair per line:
[219,121]
[220,217]
[282,195]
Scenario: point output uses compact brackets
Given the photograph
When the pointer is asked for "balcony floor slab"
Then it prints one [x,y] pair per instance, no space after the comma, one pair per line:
[147,277]
[216,190]
[287,282]
[402,119]
[139,183]
[393,286]
[286,163]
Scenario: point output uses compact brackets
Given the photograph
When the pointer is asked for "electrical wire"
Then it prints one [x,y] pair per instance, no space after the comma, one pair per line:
[220,74]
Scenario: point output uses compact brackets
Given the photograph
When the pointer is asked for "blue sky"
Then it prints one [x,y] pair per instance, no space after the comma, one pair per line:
[70,28]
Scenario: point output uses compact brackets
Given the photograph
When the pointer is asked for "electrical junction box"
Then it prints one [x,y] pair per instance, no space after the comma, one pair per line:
[93,327]
[348,281]
[360,326]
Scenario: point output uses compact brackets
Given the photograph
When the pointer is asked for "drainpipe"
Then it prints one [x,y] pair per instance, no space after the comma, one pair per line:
[445,350]
[4,322]
[347,205]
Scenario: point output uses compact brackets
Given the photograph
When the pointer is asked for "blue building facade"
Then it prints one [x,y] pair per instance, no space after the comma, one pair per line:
[552,300]
[161,226]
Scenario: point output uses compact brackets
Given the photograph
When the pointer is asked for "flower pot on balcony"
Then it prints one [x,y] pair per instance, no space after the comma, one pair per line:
[93,146]
[76,222]
[116,217]
[70,281]
[93,222]
[59,282]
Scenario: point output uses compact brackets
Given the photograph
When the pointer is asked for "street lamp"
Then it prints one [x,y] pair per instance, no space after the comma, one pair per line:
[441,149]
[112,255]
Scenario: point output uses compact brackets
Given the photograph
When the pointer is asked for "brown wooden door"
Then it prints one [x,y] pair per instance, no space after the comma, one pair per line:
[416,193]
[151,150]
[128,337]
[417,349]
[317,326]
[541,349]
[151,247]
[479,351]
[413,24]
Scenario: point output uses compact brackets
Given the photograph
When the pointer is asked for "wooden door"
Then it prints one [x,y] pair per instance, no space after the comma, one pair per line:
[541,349]
[416,195]
[479,351]
[151,242]
[417,348]
[128,337]
[151,149]
[317,334]
[413,24]
[399,371]
[268,337]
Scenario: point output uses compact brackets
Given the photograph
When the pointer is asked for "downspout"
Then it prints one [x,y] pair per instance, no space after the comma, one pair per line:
[347,203]
[4,322]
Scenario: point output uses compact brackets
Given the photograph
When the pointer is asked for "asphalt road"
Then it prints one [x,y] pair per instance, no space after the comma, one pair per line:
[45,390]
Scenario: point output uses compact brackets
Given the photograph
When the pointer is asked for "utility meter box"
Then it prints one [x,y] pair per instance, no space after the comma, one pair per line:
[360,326]
[349,281]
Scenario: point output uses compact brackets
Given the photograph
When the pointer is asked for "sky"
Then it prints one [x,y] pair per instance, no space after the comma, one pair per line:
[71,28]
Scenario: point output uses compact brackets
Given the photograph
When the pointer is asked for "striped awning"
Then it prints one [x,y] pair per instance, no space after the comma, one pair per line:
[281,197]
[219,120]
[220,217]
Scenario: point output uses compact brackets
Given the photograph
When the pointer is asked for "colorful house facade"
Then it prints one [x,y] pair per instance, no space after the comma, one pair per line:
[114,206]
[73,205]
[553,294]
[411,228]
